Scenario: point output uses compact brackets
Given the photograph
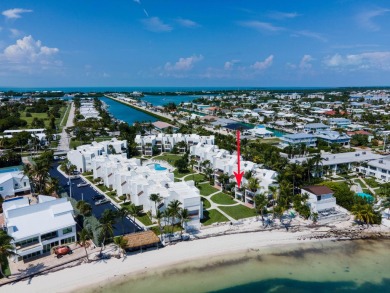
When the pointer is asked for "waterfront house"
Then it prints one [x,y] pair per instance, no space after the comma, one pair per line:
[261,131]
[297,139]
[315,127]
[331,137]
[320,198]
[37,228]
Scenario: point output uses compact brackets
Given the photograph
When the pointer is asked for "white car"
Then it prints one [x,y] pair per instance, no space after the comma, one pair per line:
[102,201]
[82,184]
[74,177]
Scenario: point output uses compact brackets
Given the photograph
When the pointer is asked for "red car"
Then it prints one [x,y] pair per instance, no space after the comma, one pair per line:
[62,250]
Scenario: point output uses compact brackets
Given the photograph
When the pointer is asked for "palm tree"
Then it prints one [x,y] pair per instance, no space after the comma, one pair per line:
[84,208]
[317,160]
[167,216]
[260,203]
[274,192]
[133,211]
[223,179]
[156,198]
[209,172]
[121,242]
[253,184]
[184,218]
[122,213]
[174,207]
[159,217]
[6,250]
[368,214]
[84,237]
[53,185]
[107,222]
[358,212]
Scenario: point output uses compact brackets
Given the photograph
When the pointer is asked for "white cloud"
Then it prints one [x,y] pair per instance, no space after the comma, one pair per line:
[283,15]
[15,13]
[230,64]
[15,32]
[184,64]
[137,1]
[369,60]
[27,54]
[366,18]
[187,23]
[261,26]
[154,24]
[262,65]
[305,62]
[310,34]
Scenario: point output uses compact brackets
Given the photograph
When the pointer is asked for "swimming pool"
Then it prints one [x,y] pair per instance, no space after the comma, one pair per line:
[367,196]
[10,169]
[158,167]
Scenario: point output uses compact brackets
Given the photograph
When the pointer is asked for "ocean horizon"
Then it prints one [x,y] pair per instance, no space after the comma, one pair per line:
[175,88]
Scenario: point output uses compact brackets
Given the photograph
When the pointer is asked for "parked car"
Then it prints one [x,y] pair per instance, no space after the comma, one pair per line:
[74,177]
[62,250]
[97,197]
[82,184]
[102,201]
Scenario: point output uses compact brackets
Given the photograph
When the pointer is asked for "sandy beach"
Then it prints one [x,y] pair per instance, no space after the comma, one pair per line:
[89,275]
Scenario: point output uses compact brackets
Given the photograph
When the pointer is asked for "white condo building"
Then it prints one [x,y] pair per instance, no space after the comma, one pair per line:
[138,182]
[83,155]
[37,228]
[166,142]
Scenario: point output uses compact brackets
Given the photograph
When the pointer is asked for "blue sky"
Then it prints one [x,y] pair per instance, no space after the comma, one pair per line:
[194,43]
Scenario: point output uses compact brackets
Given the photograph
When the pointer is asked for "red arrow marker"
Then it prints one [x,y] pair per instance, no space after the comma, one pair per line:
[238,174]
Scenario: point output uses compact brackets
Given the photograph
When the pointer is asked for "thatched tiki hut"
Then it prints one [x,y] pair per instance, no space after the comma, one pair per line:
[141,240]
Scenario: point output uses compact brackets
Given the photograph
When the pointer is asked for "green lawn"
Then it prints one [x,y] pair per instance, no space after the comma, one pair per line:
[102,188]
[64,118]
[372,182]
[144,219]
[34,115]
[181,175]
[212,216]
[239,211]
[206,189]
[171,159]
[166,229]
[222,198]
[206,203]
[196,178]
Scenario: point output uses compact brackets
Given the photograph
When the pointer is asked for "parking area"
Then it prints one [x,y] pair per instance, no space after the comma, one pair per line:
[86,193]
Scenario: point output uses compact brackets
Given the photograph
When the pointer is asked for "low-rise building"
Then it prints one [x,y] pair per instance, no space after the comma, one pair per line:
[331,137]
[13,183]
[339,122]
[297,139]
[315,127]
[37,228]
[320,198]
[379,168]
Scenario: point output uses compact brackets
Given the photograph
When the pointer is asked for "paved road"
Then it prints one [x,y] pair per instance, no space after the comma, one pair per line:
[86,194]
[63,144]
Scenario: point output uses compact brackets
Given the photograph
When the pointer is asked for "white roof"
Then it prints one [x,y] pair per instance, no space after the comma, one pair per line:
[47,216]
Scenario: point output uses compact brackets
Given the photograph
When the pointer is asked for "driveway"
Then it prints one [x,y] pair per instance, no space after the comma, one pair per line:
[86,193]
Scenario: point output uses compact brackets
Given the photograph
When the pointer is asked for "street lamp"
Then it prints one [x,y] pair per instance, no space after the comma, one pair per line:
[70,183]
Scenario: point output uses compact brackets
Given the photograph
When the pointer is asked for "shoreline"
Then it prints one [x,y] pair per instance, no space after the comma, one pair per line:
[88,276]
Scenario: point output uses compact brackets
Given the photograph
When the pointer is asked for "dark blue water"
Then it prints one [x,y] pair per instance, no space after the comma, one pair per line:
[295,286]
[125,113]
[163,100]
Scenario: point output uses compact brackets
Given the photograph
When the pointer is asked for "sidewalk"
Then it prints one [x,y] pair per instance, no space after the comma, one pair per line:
[63,144]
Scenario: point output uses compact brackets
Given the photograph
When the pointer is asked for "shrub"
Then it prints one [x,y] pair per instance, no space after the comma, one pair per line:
[28,114]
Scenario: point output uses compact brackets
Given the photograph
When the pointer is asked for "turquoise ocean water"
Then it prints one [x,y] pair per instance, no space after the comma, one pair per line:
[347,266]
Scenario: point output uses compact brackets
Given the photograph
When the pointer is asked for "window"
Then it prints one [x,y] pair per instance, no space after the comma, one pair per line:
[48,236]
[68,240]
[1,188]
[27,242]
[47,247]
[67,230]
[31,255]
[25,184]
